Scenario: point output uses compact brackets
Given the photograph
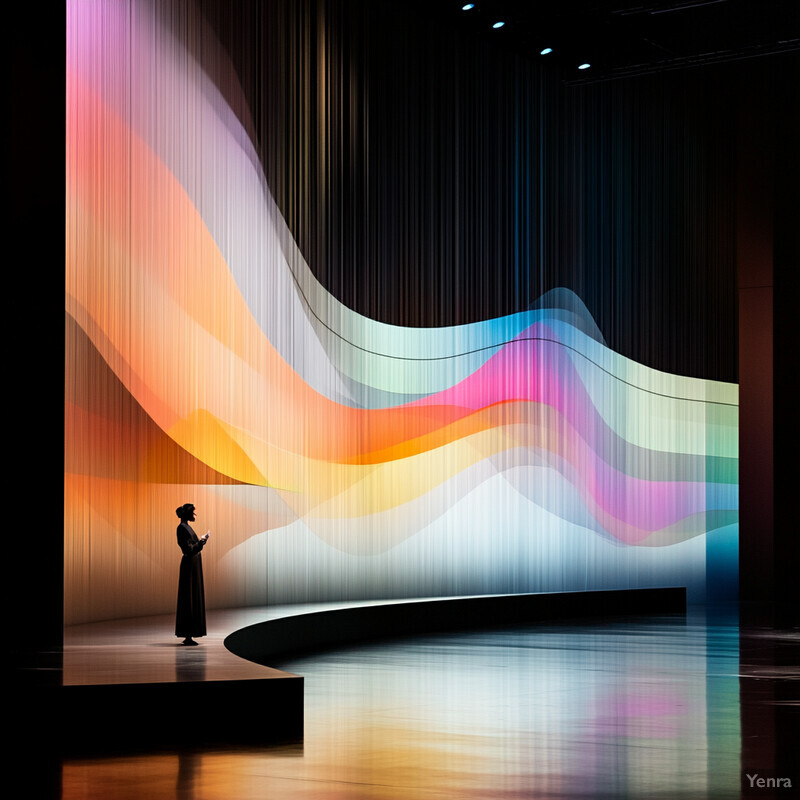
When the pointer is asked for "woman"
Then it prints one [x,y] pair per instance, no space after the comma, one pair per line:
[190,619]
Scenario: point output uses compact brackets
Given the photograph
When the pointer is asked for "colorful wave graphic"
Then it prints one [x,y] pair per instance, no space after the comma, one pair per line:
[332,455]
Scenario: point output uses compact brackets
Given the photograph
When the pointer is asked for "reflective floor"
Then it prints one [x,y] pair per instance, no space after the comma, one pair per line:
[668,707]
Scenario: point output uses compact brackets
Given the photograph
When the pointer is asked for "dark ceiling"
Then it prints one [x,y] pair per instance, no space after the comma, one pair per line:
[631,37]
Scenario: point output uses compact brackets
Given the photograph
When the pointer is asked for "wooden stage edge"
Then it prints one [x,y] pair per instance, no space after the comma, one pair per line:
[128,685]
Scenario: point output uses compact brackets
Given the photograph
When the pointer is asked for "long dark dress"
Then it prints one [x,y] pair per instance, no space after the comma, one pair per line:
[190,619]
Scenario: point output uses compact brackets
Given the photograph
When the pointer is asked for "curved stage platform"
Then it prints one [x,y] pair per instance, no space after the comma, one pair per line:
[123,677]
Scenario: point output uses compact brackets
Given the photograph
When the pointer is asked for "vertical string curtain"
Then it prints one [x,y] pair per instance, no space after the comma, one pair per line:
[335,455]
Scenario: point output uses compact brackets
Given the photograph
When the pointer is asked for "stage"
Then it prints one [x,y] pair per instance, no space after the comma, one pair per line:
[119,676]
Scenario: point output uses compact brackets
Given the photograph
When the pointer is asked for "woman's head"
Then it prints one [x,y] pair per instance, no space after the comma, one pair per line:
[185,512]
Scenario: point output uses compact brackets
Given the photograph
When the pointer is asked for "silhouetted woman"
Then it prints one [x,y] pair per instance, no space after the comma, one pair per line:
[190,619]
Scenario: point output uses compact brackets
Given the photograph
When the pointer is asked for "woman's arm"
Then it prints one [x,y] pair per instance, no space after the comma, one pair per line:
[190,546]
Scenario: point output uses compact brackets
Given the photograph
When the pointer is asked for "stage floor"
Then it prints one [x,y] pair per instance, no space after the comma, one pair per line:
[145,649]
[670,706]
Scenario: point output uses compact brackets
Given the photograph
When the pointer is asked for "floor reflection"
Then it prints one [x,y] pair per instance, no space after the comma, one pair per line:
[625,709]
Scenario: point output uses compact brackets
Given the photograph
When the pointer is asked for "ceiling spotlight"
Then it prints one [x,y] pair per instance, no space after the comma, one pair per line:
[468,6]
[498,24]
[546,51]
[584,66]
